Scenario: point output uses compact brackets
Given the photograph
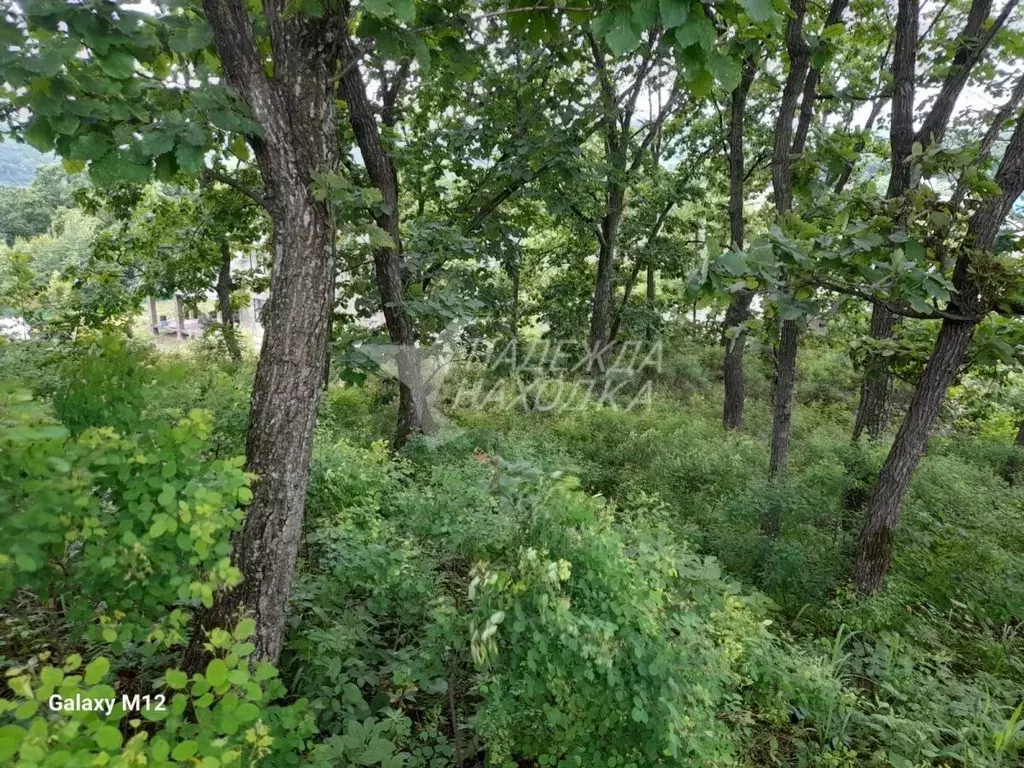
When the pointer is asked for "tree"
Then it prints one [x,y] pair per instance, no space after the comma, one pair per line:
[974,297]
[130,119]
[978,32]
[181,239]
[28,211]
[391,276]
[734,335]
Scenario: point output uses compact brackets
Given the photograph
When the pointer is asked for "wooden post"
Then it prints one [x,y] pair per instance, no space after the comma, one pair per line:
[181,317]
[154,324]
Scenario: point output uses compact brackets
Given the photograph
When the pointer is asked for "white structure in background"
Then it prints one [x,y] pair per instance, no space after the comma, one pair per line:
[14,328]
[191,323]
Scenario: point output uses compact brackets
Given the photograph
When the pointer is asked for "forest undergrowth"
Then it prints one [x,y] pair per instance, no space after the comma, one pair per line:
[575,589]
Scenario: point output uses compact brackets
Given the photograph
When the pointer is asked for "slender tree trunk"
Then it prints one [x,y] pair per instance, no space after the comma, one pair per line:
[600,317]
[782,395]
[227,313]
[286,391]
[782,187]
[877,384]
[971,44]
[969,305]
[874,546]
[389,268]
[642,259]
[873,413]
[651,294]
[739,305]
[735,350]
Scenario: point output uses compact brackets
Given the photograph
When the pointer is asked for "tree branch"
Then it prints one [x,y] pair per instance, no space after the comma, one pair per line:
[209,175]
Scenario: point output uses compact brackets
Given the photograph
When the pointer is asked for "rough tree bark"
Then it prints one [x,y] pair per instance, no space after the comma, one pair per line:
[873,409]
[872,415]
[782,187]
[739,305]
[601,310]
[296,110]
[835,14]
[389,268]
[227,313]
[968,306]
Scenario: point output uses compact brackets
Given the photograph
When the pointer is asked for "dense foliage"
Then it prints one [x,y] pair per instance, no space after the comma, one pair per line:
[470,597]
[440,384]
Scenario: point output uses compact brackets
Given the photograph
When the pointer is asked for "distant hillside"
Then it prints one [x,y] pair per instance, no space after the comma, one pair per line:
[18,163]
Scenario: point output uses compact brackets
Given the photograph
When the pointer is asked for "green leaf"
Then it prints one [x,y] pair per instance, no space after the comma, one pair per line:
[621,39]
[189,157]
[116,167]
[697,32]
[96,670]
[833,31]
[166,167]
[192,38]
[239,147]
[726,70]
[381,8]
[420,51]
[247,712]
[90,146]
[673,13]
[72,166]
[644,14]
[118,65]
[733,262]
[405,10]
[245,629]
[109,738]
[25,562]
[376,751]
[758,10]
[701,83]
[176,679]
[217,672]
[11,737]
[157,141]
[185,750]
[39,134]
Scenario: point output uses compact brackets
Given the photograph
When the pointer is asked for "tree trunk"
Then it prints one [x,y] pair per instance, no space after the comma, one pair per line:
[782,395]
[227,313]
[971,44]
[875,388]
[735,349]
[642,259]
[874,394]
[782,187]
[874,546]
[739,305]
[286,391]
[782,413]
[969,305]
[651,293]
[600,318]
[389,267]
